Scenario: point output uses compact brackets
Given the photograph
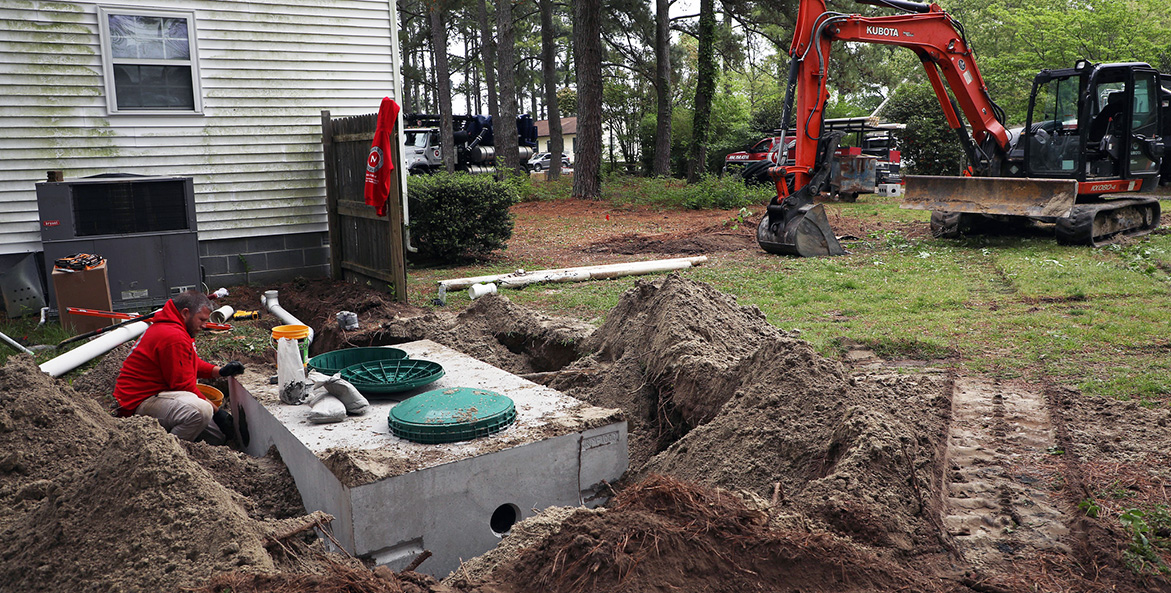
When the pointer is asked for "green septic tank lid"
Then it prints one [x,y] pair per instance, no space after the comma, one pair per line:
[451,415]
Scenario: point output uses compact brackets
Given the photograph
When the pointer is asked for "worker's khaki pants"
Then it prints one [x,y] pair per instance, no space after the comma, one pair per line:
[183,414]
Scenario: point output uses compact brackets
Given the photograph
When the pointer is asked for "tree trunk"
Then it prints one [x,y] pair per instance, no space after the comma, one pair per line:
[468,74]
[488,45]
[442,76]
[587,54]
[505,127]
[662,161]
[704,88]
[549,73]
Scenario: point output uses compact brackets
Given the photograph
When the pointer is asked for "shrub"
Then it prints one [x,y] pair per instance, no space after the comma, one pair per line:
[928,145]
[456,216]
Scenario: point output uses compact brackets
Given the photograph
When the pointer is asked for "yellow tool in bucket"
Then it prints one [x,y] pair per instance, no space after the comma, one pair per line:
[213,395]
[293,332]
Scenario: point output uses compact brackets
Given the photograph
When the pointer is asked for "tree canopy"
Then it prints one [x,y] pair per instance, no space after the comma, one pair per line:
[677,85]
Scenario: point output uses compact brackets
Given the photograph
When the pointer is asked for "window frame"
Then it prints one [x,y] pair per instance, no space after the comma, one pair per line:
[108,60]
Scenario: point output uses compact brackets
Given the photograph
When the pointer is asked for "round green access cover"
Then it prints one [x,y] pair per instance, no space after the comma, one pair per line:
[391,376]
[450,415]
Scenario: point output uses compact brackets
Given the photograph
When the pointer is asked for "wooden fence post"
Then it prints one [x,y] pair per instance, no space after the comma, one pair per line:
[331,197]
[394,211]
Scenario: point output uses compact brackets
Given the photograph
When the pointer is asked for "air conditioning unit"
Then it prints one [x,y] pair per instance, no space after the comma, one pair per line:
[143,225]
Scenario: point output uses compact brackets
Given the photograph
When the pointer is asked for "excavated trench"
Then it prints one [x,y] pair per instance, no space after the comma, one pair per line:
[918,480]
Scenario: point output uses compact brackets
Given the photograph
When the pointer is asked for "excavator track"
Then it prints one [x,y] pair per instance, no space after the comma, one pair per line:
[1105,222]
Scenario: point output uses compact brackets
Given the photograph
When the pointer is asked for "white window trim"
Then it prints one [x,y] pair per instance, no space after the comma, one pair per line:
[108,59]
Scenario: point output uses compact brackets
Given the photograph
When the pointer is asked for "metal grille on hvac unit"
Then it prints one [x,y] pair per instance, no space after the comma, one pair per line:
[143,226]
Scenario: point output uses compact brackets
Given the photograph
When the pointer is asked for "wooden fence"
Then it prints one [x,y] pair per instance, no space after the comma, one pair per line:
[364,248]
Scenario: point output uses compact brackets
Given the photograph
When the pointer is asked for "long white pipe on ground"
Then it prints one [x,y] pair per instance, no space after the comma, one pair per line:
[14,343]
[93,349]
[522,278]
[270,302]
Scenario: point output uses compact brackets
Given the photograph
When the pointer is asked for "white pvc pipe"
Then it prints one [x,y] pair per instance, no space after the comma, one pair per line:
[522,278]
[270,302]
[14,343]
[93,349]
[222,315]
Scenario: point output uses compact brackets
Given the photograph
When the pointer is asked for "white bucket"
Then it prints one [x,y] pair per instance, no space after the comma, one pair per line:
[478,290]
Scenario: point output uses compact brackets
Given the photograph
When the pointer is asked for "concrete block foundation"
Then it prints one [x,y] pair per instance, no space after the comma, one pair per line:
[392,498]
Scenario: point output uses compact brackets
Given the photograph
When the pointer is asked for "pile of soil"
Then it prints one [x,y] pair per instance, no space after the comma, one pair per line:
[96,503]
[666,535]
[492,329]
[665,355]
[717,396]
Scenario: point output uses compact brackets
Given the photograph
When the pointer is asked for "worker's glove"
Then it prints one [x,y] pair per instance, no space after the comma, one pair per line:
[232,369]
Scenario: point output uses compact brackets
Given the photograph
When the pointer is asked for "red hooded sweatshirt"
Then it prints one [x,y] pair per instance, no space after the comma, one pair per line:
[378,162]
[164,359]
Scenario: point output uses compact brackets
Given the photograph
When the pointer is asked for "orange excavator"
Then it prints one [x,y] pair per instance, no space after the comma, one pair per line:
[1092,130]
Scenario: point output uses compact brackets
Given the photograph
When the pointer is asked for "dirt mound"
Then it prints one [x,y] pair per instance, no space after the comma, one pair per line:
[95,503]
[335,576]
[714,239]
[863,456]
[97,383]
[492,329]
[663,535]
[665,355]
[733,402]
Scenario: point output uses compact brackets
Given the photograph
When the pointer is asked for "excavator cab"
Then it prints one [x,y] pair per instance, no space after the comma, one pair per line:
[1096,123]
[1092,130]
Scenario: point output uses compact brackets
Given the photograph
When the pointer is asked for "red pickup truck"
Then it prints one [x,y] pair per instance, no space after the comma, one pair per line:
[882,146]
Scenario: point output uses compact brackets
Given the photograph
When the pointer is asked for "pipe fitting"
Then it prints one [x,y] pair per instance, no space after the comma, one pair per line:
[270,302]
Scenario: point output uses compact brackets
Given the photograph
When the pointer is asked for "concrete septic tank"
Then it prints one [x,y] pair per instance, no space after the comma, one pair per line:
[392,498]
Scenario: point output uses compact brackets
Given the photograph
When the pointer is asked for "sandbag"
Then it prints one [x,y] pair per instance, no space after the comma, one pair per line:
[355,403]
[325,408]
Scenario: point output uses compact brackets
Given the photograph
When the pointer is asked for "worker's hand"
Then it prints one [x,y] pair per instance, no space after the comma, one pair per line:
[232,369]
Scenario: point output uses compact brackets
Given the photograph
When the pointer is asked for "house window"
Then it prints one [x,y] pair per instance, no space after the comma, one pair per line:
[150,61]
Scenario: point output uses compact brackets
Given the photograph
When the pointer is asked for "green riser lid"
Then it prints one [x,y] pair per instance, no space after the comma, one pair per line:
[451,415]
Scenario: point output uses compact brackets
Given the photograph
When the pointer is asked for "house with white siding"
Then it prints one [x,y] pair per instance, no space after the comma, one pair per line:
[226,92]
[568,136]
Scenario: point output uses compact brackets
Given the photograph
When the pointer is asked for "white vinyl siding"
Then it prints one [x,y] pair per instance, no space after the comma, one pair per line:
[266,71]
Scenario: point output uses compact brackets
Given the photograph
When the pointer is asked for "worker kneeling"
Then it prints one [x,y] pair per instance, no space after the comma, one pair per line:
[159,376]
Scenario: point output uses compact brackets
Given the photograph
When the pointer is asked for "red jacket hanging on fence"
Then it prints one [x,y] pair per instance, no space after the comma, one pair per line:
[378,165]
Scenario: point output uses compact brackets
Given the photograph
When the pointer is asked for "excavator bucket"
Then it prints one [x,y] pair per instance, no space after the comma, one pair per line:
[806,234]
[1009,196]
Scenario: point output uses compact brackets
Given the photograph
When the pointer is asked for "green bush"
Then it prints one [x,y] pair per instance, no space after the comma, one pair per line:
[928,145]
[457,216]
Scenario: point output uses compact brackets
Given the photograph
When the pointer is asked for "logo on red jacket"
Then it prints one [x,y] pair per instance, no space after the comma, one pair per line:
[374,161]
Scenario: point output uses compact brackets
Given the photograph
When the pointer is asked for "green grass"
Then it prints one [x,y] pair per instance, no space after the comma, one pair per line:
[1007,307]
[25,331]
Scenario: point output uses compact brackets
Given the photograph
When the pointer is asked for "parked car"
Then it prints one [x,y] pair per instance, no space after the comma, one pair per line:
[541,161]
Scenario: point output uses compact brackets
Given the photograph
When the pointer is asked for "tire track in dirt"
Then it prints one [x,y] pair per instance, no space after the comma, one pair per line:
[988,283]
[992,511]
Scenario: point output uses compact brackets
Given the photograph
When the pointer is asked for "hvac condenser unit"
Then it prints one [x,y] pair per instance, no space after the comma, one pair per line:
[143,226]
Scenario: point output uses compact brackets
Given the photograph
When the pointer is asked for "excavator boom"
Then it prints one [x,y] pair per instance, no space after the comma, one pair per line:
[794,225]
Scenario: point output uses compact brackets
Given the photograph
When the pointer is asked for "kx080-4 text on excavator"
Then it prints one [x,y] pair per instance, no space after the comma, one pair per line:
[1092,130]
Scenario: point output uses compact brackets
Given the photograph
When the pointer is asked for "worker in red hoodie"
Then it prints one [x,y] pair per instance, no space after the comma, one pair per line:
[158,377]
